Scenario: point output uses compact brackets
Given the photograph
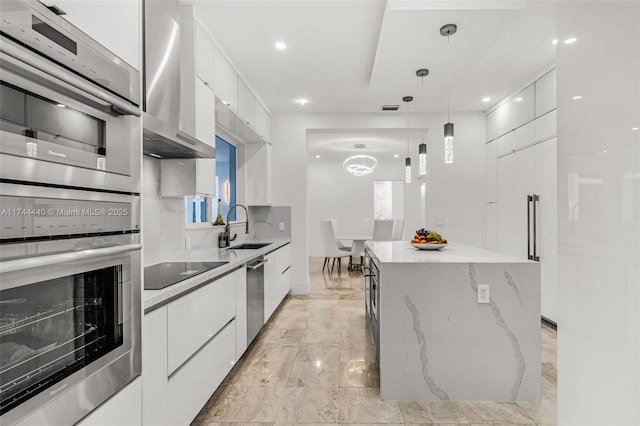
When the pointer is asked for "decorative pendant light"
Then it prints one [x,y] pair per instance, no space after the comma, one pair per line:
[422,148]
[407,161]
[361,164]
[447,31]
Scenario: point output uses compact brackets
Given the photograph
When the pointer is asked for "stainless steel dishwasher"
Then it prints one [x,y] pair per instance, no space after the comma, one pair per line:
[255,297]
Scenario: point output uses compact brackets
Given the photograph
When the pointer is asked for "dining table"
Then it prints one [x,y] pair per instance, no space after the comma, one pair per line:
[357,247]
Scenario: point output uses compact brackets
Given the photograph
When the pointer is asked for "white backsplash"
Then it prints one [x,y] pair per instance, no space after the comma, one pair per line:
[164,232]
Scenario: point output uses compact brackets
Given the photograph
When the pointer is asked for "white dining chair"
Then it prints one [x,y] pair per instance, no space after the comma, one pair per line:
[368,226]
[330,246]
[398,227]
[382,229]
[336,232]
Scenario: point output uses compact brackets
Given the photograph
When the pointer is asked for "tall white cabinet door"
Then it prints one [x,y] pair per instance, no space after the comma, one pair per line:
[515,180]
[225,80]
[547,238]
[204,56]
[270,286]
[205,112]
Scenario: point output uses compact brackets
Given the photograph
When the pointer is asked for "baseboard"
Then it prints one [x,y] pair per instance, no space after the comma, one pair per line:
[550,323]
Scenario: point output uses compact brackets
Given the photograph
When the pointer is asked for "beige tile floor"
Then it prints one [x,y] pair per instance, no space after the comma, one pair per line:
[314,364]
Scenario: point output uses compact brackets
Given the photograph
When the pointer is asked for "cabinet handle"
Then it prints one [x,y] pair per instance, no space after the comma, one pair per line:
[536,198]
[529,201]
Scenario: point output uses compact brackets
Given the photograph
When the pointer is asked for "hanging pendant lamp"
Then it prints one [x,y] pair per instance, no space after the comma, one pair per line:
[447,31]
[407,161]
[422,148]
[361,164]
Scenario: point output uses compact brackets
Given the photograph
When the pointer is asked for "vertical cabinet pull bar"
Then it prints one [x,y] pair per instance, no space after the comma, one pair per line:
[536,198]
[529,200]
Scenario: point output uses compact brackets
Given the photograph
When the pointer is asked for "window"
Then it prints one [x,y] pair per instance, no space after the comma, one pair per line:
[196,210]
[225,178]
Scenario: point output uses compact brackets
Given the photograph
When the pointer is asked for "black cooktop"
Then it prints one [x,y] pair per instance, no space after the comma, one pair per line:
[163,275]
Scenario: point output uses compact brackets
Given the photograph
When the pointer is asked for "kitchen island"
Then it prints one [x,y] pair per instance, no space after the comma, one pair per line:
[435,341]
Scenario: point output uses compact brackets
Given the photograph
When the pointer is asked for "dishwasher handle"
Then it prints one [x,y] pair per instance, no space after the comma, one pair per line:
[257,265]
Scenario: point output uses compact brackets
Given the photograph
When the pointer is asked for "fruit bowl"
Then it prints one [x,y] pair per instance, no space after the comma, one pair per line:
[427,240]
[429,246]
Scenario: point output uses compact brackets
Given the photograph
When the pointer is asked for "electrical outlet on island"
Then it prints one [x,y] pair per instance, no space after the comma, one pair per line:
[483,293]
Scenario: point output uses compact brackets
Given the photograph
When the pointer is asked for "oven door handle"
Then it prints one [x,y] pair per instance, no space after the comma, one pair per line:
[23,59]
[53,259]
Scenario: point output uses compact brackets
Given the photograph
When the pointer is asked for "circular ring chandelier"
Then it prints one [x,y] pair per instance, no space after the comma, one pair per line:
[360,164]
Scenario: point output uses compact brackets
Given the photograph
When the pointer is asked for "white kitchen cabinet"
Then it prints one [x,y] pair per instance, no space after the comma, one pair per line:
[515,139]
[225,80]
[188,177]
[283,272]
[270,286]
[241,311]
[175,396]
[205,113]
[156,400]
[203,56]
[277,279]
[545,88]
[258,174]
[527,172]
[491,156]
[246,103]
[192,385]
[195,318]
[122,409]
[262,122]
[544,127]
[99,18]
[517,111]
[197,99]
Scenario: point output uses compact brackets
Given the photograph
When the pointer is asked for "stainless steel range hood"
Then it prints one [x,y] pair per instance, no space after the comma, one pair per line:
[164,136]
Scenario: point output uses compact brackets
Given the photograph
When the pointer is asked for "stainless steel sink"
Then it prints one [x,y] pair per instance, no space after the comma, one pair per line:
[249,246]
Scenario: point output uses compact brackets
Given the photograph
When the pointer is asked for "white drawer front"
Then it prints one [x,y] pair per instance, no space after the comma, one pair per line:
[193,384]
[197,317]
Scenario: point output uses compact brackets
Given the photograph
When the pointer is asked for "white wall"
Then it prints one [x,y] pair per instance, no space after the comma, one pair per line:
[599,249]
[455,191]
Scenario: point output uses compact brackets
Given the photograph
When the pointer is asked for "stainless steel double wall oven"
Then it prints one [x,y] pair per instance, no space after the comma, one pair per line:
[70,158]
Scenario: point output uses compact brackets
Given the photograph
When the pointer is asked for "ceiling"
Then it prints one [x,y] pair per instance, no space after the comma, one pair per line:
[338,144]
[355,55]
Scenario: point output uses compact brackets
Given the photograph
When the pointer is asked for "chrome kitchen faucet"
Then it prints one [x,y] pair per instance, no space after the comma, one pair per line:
[227,227]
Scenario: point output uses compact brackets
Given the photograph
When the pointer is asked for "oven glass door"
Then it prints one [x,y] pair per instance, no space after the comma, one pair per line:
[53,328]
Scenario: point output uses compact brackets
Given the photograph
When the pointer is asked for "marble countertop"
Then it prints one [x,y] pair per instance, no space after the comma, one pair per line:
[152,299]
[403,252]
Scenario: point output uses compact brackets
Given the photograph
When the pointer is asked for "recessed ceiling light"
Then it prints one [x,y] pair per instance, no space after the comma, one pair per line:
[61,105]
[486,99]
[281,46]
[395,156]
[301,101]
[634,128]
[317,156]
[555,41]
[517,99]
[155,155]
[605,151]
[577,98]
[570,40]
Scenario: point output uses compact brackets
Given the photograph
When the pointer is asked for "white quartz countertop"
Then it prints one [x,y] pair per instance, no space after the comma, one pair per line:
[403,252]
[152,299]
